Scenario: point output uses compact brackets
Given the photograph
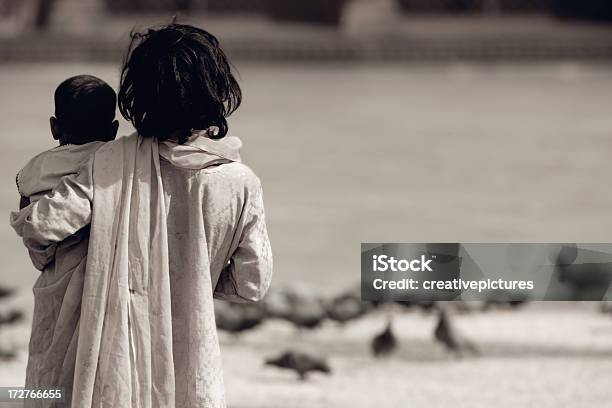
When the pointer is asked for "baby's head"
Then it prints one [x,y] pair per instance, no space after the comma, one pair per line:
[84,111]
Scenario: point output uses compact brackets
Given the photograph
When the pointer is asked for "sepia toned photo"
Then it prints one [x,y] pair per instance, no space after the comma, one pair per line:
[339,203]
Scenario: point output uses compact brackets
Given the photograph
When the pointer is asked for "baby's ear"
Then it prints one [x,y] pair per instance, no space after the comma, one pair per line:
[55,130]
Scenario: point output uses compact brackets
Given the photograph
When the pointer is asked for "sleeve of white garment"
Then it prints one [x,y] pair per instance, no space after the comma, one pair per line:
[57,215]
[248,275]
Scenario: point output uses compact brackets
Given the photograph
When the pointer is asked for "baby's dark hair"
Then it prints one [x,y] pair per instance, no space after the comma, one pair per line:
[177,79]
[85,108]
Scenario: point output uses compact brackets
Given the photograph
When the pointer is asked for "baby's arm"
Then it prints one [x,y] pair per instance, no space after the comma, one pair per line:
[58,214]
[40,257]
[248,275]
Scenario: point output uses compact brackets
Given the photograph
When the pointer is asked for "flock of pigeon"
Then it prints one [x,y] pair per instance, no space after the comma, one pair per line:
[305,310]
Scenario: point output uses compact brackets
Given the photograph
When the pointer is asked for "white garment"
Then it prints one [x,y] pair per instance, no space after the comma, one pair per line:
[156,256]
[44,171]
[58,289]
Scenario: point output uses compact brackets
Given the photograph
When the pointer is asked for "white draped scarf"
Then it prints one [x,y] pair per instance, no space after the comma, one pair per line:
[124,354]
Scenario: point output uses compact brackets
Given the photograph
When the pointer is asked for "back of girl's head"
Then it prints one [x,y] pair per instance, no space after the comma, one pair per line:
[176,79]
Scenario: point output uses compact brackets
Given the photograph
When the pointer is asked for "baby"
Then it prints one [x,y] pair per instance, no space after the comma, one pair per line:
[84,119]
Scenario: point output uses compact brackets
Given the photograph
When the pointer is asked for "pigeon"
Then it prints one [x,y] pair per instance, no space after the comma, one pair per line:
[306,311]
[345,308]
[515,304]
[446,334]
[276,304]
[301,362]
[11,317]
[308,315]
[385,343]
[299,307]
[236,318]
[6,354]
[509,301]
[4,291]
[424,305]
[587,280]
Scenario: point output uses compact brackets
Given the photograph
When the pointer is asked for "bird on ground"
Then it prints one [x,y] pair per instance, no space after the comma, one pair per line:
[301,362]
[300,307]
[236,318]
[509,302]
[515,304]
[384,343]
[586,280]
[448,335]
[345,308]
[4,291]
[276,304]
[306,310]
[7,354]
[423,305]
[11,317]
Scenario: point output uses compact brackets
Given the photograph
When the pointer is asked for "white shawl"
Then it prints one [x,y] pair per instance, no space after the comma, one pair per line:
[124,355]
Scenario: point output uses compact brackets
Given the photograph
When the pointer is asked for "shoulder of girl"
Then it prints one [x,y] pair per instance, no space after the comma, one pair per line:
[241,173]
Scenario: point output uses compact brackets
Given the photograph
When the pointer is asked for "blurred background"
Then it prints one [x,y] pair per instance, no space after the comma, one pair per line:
[369,121]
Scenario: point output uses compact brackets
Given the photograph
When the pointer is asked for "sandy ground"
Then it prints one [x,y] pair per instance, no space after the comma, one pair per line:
[538,357]
[544,355]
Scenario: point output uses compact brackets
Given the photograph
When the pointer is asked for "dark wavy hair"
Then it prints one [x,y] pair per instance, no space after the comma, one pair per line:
[177,79]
